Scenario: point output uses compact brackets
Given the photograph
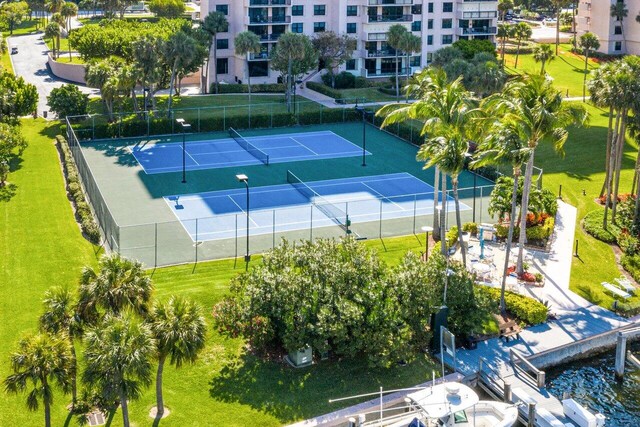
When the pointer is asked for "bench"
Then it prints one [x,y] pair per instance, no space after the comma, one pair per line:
[509,330]
[615,290]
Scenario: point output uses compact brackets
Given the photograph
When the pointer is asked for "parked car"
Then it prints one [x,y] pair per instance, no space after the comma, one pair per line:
[14,50]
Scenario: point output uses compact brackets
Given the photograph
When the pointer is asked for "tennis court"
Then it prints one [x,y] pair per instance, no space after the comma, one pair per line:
[164,157]
[302,205]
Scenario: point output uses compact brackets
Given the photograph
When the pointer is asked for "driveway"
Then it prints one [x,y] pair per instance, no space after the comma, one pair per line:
[31,63]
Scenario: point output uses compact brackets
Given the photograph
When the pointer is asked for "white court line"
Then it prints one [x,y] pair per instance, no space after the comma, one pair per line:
[382,196]
[242,210]
[303,145]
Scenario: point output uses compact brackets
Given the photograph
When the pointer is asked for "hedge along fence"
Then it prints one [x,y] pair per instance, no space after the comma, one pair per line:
[242,88]
[83,212]
[208,119]
[527,310]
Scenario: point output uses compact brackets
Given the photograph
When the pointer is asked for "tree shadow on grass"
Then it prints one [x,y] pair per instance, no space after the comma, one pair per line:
[7,192]
[291,394]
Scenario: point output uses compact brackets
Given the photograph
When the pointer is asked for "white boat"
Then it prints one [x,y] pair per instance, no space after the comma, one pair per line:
[450,404]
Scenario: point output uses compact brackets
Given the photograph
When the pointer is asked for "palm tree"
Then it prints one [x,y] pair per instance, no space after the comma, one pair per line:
[504,6]
[619,11]
[52,31]
[588,42]
[543,53]
[68,11]
[446,110]
[120,283]
[521,31]
[559,4]
[214,23]
[61,318]
[118,358]
[395,34]
[247,42]
[178,50]
[504,32]
[504,142]
[127,80]
[41,361]
[536,106]
[410,44]
[179,330]
[54,6]
[147,59]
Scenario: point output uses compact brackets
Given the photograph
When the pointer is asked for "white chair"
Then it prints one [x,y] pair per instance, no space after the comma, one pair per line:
[615,290]
[625,284]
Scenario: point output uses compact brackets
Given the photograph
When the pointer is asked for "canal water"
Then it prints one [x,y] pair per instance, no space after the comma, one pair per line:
[592,383]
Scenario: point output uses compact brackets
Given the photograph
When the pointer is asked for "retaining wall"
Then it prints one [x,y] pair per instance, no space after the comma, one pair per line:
[71,72]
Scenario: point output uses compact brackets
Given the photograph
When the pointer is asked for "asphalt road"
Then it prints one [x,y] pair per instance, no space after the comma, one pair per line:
[31,63]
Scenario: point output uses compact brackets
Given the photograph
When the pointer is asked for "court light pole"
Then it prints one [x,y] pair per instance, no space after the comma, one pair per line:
[185,128]
[244,178]
[364,133]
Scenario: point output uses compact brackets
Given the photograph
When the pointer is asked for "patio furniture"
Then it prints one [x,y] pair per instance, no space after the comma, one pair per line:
[509,330]
[615,290]
[625,284]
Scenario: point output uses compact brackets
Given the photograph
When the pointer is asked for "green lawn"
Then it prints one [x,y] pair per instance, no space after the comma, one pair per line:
[40,246]
[567,69]
[26,27]
[73,60]
[582,168]
[64,44]
[371,94]
[5,61]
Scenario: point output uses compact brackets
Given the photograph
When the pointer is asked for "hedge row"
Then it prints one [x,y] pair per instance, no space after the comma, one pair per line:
[83,212]
[325,90]
[238,88]
[592,224]
[527,310]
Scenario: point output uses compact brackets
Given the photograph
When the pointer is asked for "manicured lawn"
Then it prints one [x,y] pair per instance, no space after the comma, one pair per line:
[64,44]
[26,27]
[40,246]
[567,69]
[371,94]
[74,60]
[5,62]
[582,168]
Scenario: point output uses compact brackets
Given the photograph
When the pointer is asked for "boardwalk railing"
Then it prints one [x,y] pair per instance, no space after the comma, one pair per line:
[527,367]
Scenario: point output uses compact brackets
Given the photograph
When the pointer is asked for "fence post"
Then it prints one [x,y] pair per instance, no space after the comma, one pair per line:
[415,201]
[311,224]
[249,116]
[120,126]
[155,250]
[507,392]
[224,127]
[532,414]
[273,239]
[148,122]
[380,225]
[236,238]
[93,127]
[199,120]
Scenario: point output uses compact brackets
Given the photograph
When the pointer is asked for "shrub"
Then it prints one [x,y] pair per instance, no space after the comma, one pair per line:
[527,310]
[628,243]
[360,82]
[343,80]
[325,90]
[470,48]
[631,264]
[167,8]
[68,100]
[502,231]
[452,236]
[592,224]
[470,227]
[238,88]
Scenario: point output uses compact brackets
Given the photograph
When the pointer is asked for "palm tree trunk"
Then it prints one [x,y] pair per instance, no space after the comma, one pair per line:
[74,374]
[397,85]
[608,151]
[159,399]
[436,221]
[558,29]
[621,141]
[443,236]
[584,81]
[517,53]
[171,83]
[134,99]
[611,169]
[512,223]
[249,81]
[47,413]
[504,42]
[125,408]
[524,209]
[463,252]
[215,63]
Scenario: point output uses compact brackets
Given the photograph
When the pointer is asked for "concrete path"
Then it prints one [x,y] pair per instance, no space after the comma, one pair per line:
[31,64]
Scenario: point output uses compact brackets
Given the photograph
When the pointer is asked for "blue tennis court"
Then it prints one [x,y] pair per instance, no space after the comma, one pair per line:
[299,206]
[163,157]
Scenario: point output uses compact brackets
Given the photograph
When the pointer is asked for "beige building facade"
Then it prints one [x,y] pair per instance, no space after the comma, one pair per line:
[616,37]
[438,23]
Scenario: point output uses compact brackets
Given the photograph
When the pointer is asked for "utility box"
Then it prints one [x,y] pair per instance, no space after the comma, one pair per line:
[300,358]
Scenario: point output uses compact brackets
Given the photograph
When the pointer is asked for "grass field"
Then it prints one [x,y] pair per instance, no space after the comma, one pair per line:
[64,44]
[26,27]
[5,62]
[567,69]
[371,94]
[73,60]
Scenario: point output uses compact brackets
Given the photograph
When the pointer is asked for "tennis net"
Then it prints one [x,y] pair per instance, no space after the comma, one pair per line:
[329,209]
[252,149]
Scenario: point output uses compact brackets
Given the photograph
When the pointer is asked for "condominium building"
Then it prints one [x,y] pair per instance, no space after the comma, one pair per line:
[438,23]
[616,37]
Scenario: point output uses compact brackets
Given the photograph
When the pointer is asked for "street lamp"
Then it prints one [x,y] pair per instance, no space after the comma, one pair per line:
[244,178]
[427,229]
[364,133]
[186,127]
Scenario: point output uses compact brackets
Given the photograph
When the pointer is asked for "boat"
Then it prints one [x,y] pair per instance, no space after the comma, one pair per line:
[449,404]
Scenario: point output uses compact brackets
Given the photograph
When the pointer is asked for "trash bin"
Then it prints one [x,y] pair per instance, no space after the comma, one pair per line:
[44,114]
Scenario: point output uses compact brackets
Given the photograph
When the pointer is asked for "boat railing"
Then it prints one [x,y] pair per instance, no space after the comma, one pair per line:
[520,362]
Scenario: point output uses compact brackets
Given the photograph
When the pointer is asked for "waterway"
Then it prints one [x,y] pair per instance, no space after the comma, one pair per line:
[592,383]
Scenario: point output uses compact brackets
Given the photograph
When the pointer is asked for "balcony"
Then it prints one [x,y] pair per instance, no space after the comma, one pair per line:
[262,56]
[390,18]
[488,14]
[376,36]
[377,73]
[262,3]
[388,53]
[389,2]
[268,20]
[480,31]
[266,38]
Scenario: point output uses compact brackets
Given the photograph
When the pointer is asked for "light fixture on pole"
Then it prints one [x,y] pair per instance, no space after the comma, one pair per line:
[364,133]
[186,127]
[427,229]
[244,178]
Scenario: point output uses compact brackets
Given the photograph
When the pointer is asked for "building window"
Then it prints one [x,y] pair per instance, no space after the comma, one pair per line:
[429,40]
[352,10]
[416,26]
[430,24]
[222,44]
[447,23]
[447,39]
[430,8]
[429,57]
[351,64]
[222,66]
[351,28]
[296,27]
[297,10]
[618,46]
[447,7]
[319,9]
[318,27]
[416,9]
[618,30]
[223,8]
[415,61]
[259,69]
